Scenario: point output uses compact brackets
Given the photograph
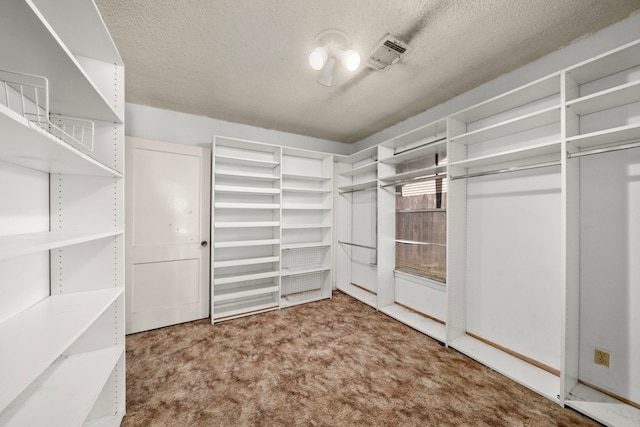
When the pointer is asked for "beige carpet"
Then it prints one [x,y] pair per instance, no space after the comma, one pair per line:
[331,363]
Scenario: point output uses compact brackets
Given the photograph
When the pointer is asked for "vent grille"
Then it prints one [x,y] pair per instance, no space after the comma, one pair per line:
[387,52]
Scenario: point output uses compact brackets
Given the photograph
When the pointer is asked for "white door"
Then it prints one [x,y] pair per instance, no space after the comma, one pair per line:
[167,227]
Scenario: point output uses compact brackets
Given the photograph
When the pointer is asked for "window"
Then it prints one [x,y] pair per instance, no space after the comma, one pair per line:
[421,223]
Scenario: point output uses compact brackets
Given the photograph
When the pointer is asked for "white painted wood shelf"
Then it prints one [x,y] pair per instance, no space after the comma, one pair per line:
[372,183]
[45,401]
[23,244]
[537,150]
[245,291]
[607,137]
[359,170]
[36,149]
[413,174]
[246,261]
[430,327]
[301,177]
[424,148]
[68,81]
[244,161]
[227,310]
[305,190]
[606,99]
[236,189]
[252,176]
[235,278]
[245,243]
[602,408]
[233,205]
[35,338]
[305,245]
[285,272]
[246,224]
[303,226]
[360,294]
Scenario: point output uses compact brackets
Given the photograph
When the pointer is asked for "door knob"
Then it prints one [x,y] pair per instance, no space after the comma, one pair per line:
[204,243]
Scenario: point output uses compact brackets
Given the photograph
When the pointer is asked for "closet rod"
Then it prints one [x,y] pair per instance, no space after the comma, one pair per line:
[414,242]
[506,170]
[605,150]
[360,189]
[411,181]
[421,145]
[358,246]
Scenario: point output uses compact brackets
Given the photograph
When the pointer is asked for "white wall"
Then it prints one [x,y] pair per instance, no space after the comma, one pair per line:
[611,37]
[181,128]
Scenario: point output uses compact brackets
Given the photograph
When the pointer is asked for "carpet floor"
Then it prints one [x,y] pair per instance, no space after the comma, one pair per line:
[335,362]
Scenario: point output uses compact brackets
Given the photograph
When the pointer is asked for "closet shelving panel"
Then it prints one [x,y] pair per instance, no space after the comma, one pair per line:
[504,234]
[62,324]
[356,222]
[246,228]
[418,156]
[602,114]
[307,214]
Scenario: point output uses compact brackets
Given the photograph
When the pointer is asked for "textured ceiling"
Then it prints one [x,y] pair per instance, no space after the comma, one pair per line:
[246,61]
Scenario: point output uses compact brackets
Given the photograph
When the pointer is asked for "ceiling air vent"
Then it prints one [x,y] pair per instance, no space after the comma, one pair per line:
[387,52]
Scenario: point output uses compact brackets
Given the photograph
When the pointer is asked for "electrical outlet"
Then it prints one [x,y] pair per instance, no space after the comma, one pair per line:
[601,357]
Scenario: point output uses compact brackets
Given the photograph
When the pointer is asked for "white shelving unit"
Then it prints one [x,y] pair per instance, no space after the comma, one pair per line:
[418,156]
[246,228]
[356,222]
[504,260]
[307,210]
[61,248]
[602,117]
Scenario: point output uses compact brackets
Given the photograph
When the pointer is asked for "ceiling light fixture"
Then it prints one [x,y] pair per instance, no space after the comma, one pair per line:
[331,45]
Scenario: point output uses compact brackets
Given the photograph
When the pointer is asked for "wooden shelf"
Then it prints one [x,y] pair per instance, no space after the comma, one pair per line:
[305,177]
[604,65]
[539,89]
[23,244]
[359,170]
[234,205]
[302,226]
[430,327]
[235,278]
[431,170]
[360,294]
[245,261]
[224,310]
[511,155]
[236,189]
[438,146]
[243,161]
[78,379]
[614,97]
[34,339]
[246,243]
[359,186]
[602,408]
[509,127]
[304,206]
[253,176]
[28,145]
[530,376]
[286,272]
[68,82]
[305,190]
[606,137]
[245,291]
[304,245]
[246,224]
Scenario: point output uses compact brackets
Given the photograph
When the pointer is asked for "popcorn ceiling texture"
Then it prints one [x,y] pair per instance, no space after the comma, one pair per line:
[246,61]
[335,362]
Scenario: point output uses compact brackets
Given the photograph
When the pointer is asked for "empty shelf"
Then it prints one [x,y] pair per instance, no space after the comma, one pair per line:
[432,170]
[305,190]
[304,206]
[619,95]
[420,323]
[511,155]
[28,145]
[437,146]
[606,137]
[226,310]
[238,277]
[245,243]
[304,245]
[245,261]
[254,176]
[602,408]
[237,189]
[243,161]
[359,186]
[33,340]
[293,271]
[300,226]
[358,170]
[246,224]
[78,378]
[245,291]
[234,205]
[305,177]
[23,244]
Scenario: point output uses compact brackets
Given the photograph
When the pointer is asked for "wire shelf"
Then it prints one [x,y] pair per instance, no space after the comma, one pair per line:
[28,96]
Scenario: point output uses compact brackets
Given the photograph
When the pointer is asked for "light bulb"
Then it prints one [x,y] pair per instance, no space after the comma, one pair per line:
[317,58]
[350,59]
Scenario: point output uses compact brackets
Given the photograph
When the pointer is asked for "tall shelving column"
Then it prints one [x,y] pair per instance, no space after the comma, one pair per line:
[62,328]
[307,213]
[418,156]
[357,237]
[246,228]
[602,150]
[505,264]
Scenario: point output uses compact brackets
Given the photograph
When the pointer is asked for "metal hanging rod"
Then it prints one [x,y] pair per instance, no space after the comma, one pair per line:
[411,181]
[358,246]
[506,170]
[621,147]
[421,145]
[360,189]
